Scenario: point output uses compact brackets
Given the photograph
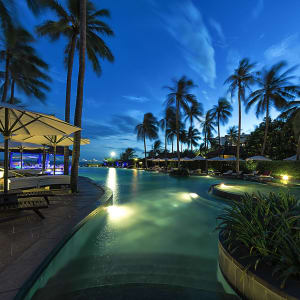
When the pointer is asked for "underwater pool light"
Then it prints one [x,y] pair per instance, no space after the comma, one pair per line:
[194,195]
[222,185]
[116,212]
[285,177]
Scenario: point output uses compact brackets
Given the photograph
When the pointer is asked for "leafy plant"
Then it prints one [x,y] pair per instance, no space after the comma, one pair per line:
[266,228]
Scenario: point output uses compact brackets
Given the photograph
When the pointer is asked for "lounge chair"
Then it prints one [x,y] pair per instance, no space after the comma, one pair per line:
[265,176]
[251,175]
[229,172]
[10,202]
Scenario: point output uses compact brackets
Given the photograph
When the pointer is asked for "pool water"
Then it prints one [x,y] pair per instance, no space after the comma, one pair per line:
[158,241]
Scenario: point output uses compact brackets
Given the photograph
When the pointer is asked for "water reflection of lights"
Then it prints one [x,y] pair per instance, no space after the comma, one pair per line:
[111,180]
[118,212]
[194,195]
[223,186]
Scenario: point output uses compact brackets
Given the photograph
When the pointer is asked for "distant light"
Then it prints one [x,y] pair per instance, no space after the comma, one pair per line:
[194,195]
[285,177]
[113,154]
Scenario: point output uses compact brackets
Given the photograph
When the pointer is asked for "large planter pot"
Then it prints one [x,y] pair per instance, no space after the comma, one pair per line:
[251,285]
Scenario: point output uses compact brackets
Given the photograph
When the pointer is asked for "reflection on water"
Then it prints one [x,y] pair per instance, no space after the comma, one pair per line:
[111,181]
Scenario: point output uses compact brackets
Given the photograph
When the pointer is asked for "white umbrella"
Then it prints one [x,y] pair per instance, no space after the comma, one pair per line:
[233,158]
[16,120]
[21,146]
[217,158]
[50,140]
[294,157]
[186,159]
[258,157]
[199,158]
[174,159]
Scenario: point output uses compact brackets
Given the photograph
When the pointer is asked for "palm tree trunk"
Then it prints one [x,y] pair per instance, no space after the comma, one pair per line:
[239,133]
[219,132]
[172,146]
[12,92]
[79,100]
[181,147]
[4,95]
[205,141]
[266,129]
[177,130]
[68,98]
[298,149]
[145,150]
[166,163]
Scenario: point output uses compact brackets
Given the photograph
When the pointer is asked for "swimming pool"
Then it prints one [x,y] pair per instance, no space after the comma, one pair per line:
[158,241]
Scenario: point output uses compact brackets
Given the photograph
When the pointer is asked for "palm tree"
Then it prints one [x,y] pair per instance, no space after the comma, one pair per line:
[233,133]
[79,99]
[171,133]
[221,114]
[240,81]
[274,90]
[128,154]
[181,97]
[68,25]
[207,127]
[156,147]
[194,112]
[164,123]
[183,137]
[193,136]
[147,130]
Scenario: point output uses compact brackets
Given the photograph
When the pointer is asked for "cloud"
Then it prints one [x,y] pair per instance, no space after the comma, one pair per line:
[185,24]
[139,99]
[91,102]
[218,29]
[288,48]
[258,9]
[232,60]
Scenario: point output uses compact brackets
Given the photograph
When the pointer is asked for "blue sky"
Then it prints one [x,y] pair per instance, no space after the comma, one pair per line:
[156,41]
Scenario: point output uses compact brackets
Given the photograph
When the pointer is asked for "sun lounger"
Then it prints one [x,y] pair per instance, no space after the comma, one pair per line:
[228,173]
[10,202]
[265,176]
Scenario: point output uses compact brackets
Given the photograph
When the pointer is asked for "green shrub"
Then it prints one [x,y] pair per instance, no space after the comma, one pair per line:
[267,227]
[180,172]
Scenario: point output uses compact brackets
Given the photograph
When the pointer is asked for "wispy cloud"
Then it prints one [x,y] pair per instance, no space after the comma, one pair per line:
[216,26]
[258,9]
[232,60]
[139,99]
[286,49]
[185,23]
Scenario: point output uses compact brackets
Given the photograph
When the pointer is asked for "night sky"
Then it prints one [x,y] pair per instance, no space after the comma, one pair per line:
[157,40]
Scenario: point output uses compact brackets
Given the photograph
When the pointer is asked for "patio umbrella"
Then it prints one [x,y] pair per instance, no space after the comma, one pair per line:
[199,158]
[259,157]
[217,158]
[16,120]
[50,140]
[21,146]
[233,158]
[294,157]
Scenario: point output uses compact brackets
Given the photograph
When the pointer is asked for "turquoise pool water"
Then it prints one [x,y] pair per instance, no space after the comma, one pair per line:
[158,241]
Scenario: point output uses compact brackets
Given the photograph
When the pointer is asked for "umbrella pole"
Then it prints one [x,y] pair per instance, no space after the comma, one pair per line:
[54,153]
[21,152]
[6,138]
[44,159]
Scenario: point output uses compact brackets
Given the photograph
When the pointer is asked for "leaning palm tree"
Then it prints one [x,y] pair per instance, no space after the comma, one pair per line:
[221,114]
[233,133]
[207,127]
[156,147]
[181,97]
[147,130]
[193,136]
[274,90]
[67,24]
[240,81]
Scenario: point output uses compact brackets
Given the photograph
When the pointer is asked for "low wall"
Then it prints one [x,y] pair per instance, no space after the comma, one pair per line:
[217,191]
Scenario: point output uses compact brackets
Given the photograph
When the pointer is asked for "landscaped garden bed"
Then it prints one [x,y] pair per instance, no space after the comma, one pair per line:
[259,246]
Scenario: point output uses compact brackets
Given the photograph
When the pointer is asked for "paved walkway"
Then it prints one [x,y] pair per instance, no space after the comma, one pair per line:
[26,241]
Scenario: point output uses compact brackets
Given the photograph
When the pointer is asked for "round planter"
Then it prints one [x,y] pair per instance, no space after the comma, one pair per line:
[250,285]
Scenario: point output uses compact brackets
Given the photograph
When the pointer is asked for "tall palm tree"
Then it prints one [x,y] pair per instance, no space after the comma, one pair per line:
[194,112]
[79,99]
[171,134]
[164,123]
[181,97]
[193,136]
[156,147]
[221,114]
[233,133]
[147,130]
[67,24]
[183,137]
[240,81]
[274,90]
[207,127]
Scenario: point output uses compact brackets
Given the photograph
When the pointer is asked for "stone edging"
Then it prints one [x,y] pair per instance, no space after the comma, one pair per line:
[224,194]
[246,283]
[106,199]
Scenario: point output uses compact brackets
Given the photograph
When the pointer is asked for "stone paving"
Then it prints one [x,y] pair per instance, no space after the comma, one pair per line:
[25,242]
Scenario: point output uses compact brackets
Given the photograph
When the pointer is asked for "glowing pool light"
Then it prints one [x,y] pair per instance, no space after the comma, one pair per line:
[285,177]
[116,212]
[194,195]
[223,186]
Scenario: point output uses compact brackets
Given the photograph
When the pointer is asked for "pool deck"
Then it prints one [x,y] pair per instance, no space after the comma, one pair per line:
[26,241]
